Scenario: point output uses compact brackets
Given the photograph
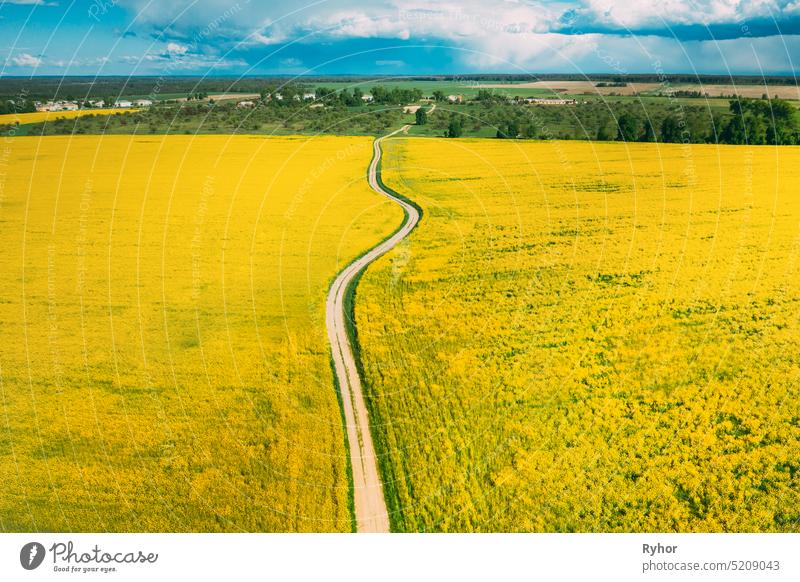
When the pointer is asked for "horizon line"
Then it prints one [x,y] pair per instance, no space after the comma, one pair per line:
[421,76]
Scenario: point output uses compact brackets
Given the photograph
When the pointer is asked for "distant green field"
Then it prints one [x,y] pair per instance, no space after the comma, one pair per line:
[158,96]
[466,88]
[716,103]
[166,96]
[470,88]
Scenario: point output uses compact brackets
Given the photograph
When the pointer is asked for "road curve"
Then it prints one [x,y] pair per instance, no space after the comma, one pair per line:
[370,506]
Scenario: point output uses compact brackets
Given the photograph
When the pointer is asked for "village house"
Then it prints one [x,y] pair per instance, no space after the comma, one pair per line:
[57,106]
[535,101]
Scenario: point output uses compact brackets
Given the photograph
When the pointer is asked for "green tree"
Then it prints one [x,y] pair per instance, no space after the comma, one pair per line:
[627,127]
[756,129]
[508,130]
[734,131]
[529,131]
[670,130]
[455,129]
[782,123]
[649,134]
[422,116]
[603,134]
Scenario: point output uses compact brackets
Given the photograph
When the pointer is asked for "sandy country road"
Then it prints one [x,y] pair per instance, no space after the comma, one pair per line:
[370,506]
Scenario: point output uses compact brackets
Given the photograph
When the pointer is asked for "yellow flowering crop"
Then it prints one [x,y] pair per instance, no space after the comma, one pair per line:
[589,337]
[163,355]
[40,116]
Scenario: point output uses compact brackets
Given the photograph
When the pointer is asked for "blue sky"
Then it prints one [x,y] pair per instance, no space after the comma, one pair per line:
[394,37]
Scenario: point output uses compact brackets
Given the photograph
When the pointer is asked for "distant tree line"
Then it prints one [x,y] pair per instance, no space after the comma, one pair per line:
[91,87]
[761,121]
[395,95]
[287,116]
[16,106]
[489,96]
[689,93]
[750,121]
[344,97]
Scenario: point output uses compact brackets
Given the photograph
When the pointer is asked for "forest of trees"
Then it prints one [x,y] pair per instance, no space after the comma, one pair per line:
[750,121]
[16,106]
[761,121]
[273,117]
[344,97]
[395,95]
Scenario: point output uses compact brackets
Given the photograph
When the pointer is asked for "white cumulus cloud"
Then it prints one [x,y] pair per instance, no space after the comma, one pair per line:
[26,60]
[524,34]
[176,49]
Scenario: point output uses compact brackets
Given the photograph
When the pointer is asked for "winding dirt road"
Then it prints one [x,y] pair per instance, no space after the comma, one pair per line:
[370,506]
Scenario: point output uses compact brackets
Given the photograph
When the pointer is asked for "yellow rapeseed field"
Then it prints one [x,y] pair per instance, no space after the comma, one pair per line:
[163,355]
[589,337]
[40,116]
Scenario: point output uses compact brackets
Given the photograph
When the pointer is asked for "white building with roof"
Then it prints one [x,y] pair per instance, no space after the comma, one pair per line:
[57,106]
[536,101]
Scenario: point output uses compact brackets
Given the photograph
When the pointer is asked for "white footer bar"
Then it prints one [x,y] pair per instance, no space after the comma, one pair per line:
[390,557]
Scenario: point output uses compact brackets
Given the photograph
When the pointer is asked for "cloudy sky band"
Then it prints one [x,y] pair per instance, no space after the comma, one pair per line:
[395,38]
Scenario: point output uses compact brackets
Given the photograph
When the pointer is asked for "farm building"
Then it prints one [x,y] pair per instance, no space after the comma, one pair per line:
[57,106]
[535,101]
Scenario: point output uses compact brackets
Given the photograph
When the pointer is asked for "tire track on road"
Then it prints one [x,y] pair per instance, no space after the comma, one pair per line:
[370,506]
